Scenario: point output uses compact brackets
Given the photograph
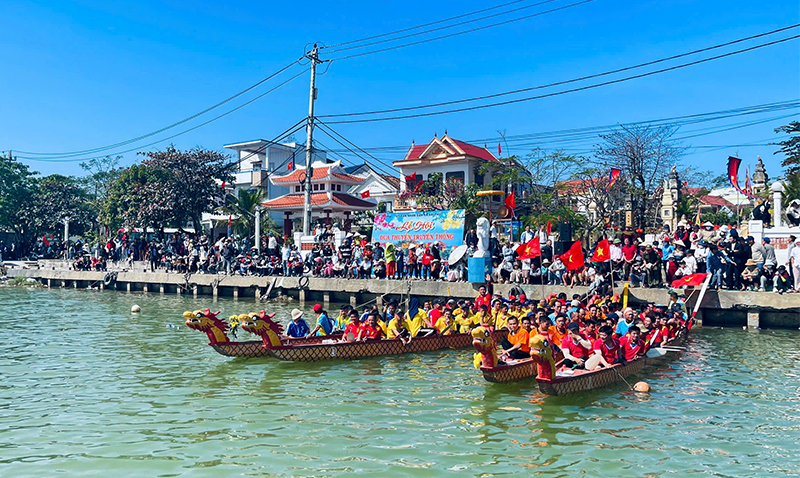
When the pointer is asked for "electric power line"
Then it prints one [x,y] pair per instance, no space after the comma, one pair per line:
[178,123]
[463,32]
[444,27]
[177,134]
[572,90]
[403,30]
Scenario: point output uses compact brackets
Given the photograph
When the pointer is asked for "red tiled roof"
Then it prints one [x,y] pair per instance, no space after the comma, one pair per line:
[319,173]
[296,201]
[472,150]
[469,150]
[347,177]
[716,201]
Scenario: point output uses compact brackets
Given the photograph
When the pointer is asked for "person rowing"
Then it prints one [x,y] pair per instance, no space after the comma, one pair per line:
[371,330]
[606,346]
[417,320]
[515,345]
[575,348]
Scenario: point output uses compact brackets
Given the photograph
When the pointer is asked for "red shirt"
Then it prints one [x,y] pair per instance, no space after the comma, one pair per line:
[631,349]
[427,259]
[435,314]
[479,301]
[576,350]
[629,252]
[353,328]
[609,352]
[373,333]
[591,337]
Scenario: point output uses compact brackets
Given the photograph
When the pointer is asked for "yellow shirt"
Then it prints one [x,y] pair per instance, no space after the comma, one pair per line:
[501,321]
[396,324]
[382,325]
[417,322]
[441,325]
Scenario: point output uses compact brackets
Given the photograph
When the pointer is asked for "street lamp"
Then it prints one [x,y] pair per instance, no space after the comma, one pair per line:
[66,237]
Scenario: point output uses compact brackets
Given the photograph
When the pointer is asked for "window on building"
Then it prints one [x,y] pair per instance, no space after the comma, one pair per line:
[316,187]
[478,179]
[455,176]
[321,187]
[297,189]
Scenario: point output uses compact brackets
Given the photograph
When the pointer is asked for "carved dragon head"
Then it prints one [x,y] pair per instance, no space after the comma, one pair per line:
[261,324]
[487,349]
[207,321]
[542,354]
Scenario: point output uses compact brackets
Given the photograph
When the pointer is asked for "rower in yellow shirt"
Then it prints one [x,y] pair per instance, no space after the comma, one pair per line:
[501,321]
[446,325]
[416,317]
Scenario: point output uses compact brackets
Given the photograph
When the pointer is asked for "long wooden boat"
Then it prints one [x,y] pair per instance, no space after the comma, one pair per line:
[372,348]
[255,348]
[579,380]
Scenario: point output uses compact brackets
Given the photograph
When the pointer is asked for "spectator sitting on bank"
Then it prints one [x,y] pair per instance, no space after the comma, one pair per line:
[782,281]
[750,275]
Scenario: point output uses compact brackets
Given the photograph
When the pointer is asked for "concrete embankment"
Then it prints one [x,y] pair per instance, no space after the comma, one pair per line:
[719,308]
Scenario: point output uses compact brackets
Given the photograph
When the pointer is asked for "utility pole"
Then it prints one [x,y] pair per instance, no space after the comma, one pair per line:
[314,57]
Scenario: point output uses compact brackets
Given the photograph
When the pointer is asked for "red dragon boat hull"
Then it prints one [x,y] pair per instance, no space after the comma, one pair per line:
[372,348]
[581,381]
[255,348]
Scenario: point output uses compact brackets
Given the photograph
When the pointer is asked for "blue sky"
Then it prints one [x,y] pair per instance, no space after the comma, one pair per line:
[79,75]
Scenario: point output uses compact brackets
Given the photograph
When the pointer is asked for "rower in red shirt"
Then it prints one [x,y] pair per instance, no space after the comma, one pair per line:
[353,329]
[576,349]
[606,346]
[589,332]
[632,345]
[371,330]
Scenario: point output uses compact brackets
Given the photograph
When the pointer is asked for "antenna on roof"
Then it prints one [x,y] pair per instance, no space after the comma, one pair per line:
[434,135]
[445,132]
[413,143]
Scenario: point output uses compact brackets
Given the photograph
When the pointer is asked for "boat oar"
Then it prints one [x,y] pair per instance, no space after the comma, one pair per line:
[623,378]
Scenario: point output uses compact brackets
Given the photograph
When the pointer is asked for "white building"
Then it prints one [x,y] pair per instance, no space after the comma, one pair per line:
[260,159]
[382,188]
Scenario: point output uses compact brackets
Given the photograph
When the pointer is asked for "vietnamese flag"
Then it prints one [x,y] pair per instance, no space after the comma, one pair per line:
[511,201]
[529,250]
[612,178]
[602,253]
[365,194]
[46,242]
[573,258]
[290,166]
[549,227]
[411,178]
[692,280]
[230,221]
[499,150]
[419,184]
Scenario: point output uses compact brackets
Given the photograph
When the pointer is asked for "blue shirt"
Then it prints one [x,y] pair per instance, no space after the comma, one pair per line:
[300,329]
[666,251]
[622,327]
[326,323]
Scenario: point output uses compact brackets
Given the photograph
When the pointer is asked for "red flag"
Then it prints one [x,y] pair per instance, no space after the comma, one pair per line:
[365,194]
[613,176]
[529,250]
[416,188]
[573,258]
[510,201]
[412,177]
[46,242]
[693,280]
[602,253]
[223,185]
[229,221]
[499,150]
[549,227]
[733,173]
[290,166]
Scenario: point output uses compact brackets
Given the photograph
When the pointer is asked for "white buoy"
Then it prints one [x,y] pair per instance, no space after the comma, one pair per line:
[135,309]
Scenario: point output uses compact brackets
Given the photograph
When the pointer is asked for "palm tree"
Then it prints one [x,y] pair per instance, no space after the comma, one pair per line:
[243,206]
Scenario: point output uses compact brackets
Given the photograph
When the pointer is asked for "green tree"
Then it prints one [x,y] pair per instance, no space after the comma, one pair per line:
[790,147]
[102,174]
[192,179]
[56,198]
[16,189]
[141,197]
[243,205]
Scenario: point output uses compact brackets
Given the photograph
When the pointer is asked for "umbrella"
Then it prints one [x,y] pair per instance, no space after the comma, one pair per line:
[457,254]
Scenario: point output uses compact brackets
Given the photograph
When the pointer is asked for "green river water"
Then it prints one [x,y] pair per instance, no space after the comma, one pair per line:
[88,389]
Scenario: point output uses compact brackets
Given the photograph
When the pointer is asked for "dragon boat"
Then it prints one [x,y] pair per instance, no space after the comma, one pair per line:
[551,377]
[217,330]
[309,349]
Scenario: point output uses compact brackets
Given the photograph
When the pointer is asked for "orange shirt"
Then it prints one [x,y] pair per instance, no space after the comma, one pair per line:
[556,335]
[521,337]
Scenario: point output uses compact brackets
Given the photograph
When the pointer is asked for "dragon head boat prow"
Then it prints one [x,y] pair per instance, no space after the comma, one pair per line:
[261,324]
[208,322]
[487,349]
[542,354]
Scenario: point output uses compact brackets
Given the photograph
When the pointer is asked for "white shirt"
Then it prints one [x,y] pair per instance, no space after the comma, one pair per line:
[526,236]
[795,256]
